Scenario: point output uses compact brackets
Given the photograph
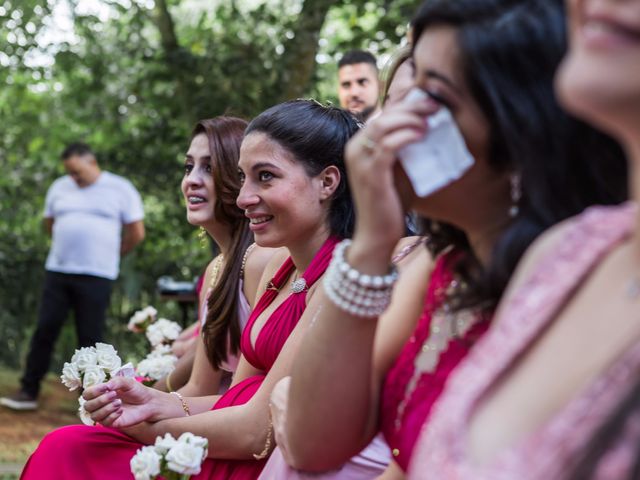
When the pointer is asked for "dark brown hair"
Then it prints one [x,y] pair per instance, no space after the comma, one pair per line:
[225,136]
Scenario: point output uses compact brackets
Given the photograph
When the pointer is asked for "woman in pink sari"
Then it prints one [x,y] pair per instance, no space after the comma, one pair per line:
[295,195]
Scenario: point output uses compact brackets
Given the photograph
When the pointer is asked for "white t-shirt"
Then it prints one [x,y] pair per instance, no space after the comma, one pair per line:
[87,224]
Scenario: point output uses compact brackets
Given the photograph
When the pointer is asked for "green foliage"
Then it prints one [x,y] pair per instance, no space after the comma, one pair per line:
[131,80]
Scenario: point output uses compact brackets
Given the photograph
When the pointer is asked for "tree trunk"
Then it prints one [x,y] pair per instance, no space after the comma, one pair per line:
[299,57]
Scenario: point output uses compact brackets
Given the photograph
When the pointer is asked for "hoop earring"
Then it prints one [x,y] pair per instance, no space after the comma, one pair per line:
[202,237]
[515,181]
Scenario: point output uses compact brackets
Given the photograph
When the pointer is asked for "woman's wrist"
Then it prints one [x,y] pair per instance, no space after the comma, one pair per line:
[370,255]
[358,293]
[164,405]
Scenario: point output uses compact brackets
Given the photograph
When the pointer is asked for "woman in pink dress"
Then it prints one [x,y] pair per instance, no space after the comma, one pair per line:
[491,64]
[295,194]
[549,392]
[376,456]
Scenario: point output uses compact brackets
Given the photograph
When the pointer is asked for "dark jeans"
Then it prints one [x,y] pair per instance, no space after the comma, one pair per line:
[88,296]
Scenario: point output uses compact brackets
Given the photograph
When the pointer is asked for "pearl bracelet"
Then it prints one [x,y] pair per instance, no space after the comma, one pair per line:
[356,293]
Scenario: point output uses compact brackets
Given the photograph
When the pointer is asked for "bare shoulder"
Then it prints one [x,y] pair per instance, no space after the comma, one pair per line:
[396,325]
[258,272]
[258,259]
[277,258]
[539,249]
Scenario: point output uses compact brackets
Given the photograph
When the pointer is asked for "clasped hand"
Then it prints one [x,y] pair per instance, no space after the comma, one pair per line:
[121,402]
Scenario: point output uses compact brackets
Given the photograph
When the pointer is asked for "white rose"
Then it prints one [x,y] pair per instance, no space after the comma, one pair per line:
[83,414]
[163,331]
[71,376]
[154,334]
[93,375]
[84,358]
[159,351]
[164,444]
[191,439]
[107,357]
[157,367]
[150,312]
[170,330]
[136,321]
[145,464]
[185,459]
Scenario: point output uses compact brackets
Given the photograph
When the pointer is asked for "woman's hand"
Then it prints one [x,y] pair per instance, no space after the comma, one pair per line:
[121,402]
[371,163]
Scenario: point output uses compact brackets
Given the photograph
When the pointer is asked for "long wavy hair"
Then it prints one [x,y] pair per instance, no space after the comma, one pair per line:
[510,50]
[225,136]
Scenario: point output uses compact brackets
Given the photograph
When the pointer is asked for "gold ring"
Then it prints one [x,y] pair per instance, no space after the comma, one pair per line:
[368,144]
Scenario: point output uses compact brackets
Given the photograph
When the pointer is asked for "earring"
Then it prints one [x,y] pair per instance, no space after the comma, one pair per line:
[516,194]
[202,236]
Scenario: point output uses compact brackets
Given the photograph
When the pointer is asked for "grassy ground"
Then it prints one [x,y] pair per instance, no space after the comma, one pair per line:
[20,432]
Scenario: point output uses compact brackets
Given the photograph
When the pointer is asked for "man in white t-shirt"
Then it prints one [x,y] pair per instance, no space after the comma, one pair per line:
[94,217]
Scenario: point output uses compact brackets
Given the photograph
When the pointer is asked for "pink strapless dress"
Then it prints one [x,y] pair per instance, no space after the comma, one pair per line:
[79,452]
[402,412]
[552,450]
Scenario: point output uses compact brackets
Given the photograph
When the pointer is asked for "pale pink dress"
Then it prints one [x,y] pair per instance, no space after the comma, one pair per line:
[369,463]
[551,452]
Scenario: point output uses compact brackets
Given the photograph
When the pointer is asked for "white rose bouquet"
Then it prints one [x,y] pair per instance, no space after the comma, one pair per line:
[90,366]
[163,332]
[158,364]
[169,458]
[141,320]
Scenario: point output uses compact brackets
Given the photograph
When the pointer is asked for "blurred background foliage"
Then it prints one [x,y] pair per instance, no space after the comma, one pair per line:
[131,77]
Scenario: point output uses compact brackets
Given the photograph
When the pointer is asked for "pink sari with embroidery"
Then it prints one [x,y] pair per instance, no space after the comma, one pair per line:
[403,412]
[79,452]
[551,451]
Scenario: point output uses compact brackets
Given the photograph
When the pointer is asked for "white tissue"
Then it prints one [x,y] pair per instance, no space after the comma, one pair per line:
[439,158]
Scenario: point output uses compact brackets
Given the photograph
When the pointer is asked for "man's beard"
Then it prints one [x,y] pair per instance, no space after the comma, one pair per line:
[366,112]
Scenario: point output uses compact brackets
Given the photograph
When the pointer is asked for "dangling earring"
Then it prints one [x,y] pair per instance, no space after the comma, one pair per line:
[516,194]
[435,226]
[202,236]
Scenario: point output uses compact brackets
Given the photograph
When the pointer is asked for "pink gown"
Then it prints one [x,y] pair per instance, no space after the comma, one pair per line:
[81,452]
[550,452]
[401,418]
